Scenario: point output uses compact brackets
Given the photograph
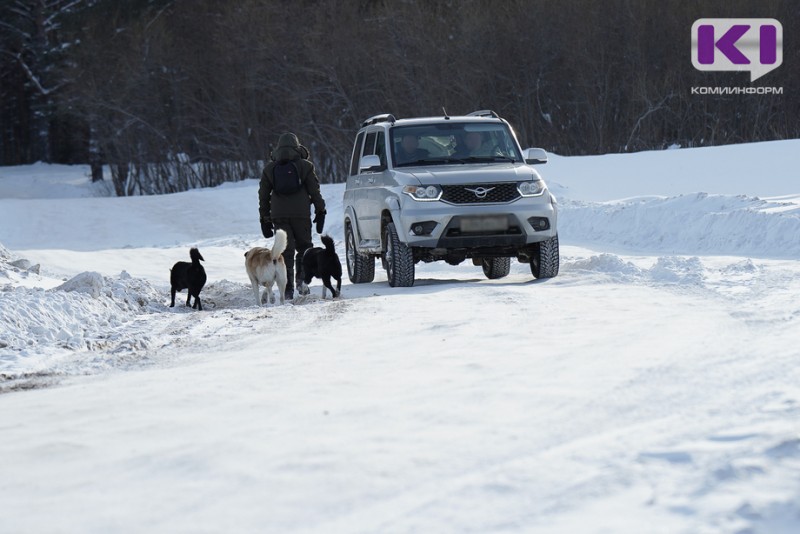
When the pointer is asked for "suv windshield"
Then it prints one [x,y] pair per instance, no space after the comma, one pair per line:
[452,142]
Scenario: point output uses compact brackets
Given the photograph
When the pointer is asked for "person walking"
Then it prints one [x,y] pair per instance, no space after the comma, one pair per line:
[288,187]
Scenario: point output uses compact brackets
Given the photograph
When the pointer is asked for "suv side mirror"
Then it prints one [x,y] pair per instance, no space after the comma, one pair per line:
[534,155]
[370,163]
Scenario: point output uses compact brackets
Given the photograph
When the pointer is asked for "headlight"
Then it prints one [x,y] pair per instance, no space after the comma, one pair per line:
[429,193]
[531,189]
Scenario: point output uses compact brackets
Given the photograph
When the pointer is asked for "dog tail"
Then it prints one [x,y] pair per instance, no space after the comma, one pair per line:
[328,242]
[280,243]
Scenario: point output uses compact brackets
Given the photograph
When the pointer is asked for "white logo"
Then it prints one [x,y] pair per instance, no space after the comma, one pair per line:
[480,192]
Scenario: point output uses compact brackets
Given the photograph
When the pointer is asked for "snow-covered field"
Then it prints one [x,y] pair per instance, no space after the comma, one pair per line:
[653,386]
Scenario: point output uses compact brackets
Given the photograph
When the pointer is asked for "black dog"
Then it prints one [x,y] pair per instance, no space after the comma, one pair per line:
[191,276]
[323,263]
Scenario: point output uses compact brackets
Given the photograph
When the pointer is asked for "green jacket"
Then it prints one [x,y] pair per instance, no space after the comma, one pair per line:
[274,206]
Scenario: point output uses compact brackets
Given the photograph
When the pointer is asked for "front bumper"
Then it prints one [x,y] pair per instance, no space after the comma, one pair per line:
[450,232]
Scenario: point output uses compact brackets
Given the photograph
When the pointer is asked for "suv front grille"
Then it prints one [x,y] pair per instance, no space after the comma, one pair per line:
[480,193]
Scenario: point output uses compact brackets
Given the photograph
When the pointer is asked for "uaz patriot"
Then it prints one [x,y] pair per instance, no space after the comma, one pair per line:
[446,188]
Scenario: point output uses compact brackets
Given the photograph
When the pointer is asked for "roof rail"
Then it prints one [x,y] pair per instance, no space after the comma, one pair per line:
[386,117]
[484,113]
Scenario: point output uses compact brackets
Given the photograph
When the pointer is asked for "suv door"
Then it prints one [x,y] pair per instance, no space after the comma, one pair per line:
[353,180]
[370,187]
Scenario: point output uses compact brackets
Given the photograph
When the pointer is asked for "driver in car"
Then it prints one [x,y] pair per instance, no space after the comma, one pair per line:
[409,150]
[471,144]
[474,144]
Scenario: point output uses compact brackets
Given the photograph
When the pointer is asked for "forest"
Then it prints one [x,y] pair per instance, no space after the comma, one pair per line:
[171,95]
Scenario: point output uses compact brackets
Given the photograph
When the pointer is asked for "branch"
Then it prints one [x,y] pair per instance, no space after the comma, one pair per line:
[147,27]
[133,119]
[24,35]
[645,115]
[22,10]
[60,11]
[35,80]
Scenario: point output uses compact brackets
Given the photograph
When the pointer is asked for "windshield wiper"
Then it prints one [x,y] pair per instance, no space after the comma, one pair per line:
[445,161]
[487,159]
[428,161]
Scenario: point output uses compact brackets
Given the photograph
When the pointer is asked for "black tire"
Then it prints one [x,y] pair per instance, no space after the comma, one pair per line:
[399,259]
[360,267]
[496,268]
[545,259]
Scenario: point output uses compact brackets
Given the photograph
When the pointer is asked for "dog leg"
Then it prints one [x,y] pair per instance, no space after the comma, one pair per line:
[280,278]
[327,284]
[172,291]
[338,288]
[268,292]
[254,284]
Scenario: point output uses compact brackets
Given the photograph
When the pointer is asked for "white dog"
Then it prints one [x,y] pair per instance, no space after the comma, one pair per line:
[265,266]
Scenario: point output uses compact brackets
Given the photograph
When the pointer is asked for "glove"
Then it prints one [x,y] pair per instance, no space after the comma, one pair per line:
[266,228]
[319,220]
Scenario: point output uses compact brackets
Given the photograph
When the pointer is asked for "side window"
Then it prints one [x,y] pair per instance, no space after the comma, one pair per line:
[380,148]
[375,145]
[356,154]
[369,144]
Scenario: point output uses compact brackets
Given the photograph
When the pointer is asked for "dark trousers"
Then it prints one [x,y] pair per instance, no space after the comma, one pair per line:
[298,238]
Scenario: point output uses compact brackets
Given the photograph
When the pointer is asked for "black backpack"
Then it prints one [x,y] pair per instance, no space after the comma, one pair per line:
[286,178]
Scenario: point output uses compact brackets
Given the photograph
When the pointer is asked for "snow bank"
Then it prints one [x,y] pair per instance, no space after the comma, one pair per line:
[65,328]
[84,313]
[45,180]
[687,224]
[16,271]
[754,169]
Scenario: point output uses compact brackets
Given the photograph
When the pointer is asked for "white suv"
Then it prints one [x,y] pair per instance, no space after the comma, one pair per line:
[446,188]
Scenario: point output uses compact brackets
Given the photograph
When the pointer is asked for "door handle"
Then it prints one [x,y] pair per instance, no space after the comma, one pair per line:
[371,180]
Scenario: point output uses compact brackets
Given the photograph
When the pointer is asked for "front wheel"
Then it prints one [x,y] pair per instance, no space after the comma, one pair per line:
[360,267]
[545,259]
[398,258]
[495,268]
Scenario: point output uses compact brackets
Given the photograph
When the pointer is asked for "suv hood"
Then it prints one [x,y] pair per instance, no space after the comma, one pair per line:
[473,173]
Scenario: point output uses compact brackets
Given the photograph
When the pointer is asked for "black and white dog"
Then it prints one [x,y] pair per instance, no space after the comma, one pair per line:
[191,276]
[324,264]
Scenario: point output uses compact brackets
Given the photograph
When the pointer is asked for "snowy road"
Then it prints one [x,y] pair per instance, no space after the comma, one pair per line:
[634,392]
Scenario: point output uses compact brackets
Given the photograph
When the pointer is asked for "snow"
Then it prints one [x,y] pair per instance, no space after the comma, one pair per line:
[652,386]
[755,169]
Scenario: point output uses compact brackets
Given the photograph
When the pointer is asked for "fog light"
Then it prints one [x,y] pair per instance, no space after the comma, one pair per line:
[539,223]
[423,228]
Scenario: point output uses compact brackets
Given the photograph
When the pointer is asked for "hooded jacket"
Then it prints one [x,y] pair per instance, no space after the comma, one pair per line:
[271,205]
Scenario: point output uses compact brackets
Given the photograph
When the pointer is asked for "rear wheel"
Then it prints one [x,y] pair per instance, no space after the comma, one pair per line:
[360,267]
[495,268]
[545,259]
[399,259]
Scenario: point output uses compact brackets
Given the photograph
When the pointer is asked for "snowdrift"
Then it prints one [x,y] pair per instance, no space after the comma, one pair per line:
[687,224]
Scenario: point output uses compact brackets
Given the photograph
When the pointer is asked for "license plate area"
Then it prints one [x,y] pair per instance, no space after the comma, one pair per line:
[484,223]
